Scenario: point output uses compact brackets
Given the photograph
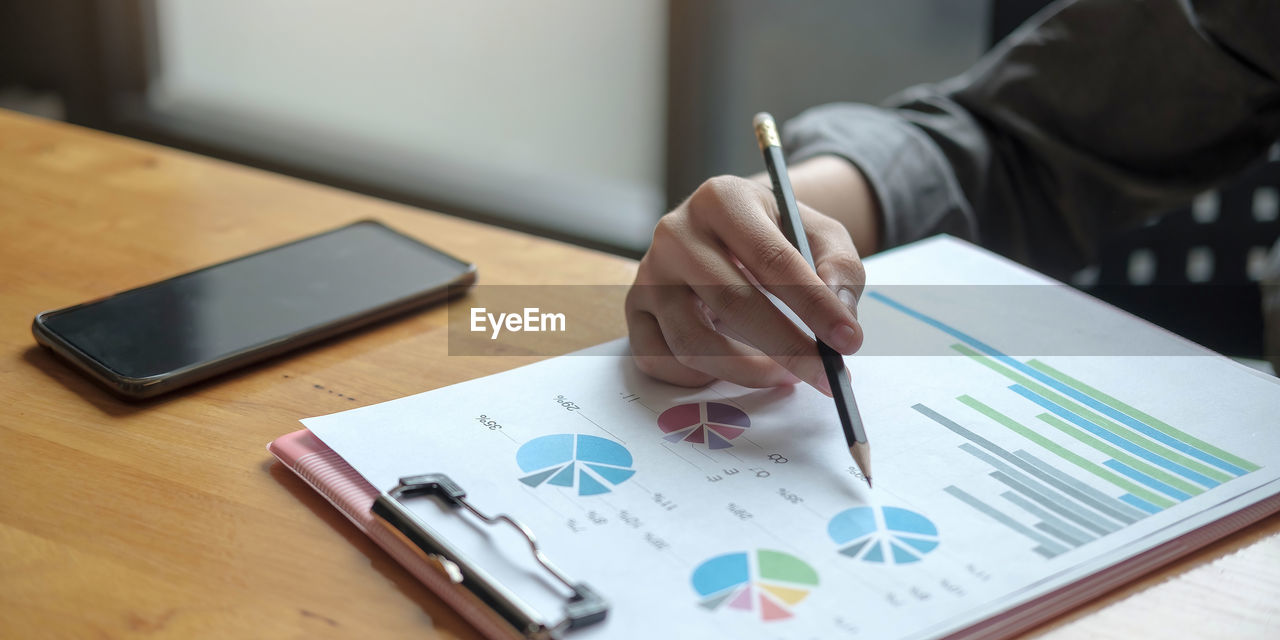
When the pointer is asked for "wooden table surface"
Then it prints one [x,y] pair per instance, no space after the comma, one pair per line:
[169,519]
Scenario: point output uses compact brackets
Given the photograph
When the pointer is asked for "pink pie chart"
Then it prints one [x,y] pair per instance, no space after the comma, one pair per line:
[711,424]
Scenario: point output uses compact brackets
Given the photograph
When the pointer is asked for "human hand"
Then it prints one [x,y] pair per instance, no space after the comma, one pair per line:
[706,258]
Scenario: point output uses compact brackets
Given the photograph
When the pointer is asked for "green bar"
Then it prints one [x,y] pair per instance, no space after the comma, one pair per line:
[1068,455]
[1089,439]
[1088,414]
[1152,422]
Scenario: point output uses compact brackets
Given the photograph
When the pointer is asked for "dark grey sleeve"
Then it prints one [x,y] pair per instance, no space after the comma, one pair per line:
[1090,118]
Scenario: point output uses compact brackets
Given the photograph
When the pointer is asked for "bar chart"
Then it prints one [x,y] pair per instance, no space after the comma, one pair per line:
[1113,464]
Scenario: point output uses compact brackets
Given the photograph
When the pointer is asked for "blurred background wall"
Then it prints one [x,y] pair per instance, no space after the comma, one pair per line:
[733,58]
[576,119]
[543,113]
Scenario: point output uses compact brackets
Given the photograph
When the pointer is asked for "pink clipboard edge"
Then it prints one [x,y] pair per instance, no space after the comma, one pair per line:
[344,488]
[330,476]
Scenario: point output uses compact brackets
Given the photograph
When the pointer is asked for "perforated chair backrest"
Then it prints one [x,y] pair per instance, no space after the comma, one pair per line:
[1195,270]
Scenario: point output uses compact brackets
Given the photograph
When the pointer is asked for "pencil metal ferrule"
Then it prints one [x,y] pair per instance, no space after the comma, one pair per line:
[766,131]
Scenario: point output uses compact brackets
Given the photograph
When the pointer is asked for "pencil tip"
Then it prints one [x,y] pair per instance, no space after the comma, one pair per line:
[861,452]
[869,486]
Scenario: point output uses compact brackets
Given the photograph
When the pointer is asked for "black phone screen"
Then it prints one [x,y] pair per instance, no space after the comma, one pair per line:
[256,301]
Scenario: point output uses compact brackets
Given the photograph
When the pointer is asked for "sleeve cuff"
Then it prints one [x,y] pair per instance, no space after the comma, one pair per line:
[914,185]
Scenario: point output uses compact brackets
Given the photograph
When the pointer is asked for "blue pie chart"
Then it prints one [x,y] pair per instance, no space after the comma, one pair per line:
[883,535]
[590,464]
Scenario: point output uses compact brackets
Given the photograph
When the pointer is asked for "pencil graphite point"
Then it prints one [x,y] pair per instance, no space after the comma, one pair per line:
[861,452]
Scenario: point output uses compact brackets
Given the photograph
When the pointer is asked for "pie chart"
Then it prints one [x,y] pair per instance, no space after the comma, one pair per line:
[712,424]
[591,464]
[883,535]
[768,583]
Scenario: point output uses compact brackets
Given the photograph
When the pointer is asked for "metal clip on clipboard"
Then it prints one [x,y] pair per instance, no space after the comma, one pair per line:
[585,607]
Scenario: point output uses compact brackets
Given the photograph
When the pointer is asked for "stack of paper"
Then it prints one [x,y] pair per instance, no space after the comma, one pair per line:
[1025,438]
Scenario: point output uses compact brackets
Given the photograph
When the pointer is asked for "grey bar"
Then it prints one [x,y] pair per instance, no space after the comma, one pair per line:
[1064,506]
[1044,472]
[1044,541]
[1045,552]
[1080,537]
[1050,502]
[1057,533]
[1083,492]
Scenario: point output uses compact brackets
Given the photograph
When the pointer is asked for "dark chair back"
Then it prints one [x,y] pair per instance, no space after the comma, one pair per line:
[1194,271]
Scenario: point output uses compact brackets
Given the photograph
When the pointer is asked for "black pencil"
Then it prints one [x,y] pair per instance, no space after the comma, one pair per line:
[855,434]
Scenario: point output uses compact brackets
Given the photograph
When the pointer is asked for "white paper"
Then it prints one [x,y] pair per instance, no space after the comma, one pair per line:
[787,476]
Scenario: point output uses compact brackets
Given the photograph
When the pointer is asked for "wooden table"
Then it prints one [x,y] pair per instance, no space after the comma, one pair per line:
[169,518]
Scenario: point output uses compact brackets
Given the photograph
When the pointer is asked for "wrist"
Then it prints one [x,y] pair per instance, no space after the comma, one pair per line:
[836,188]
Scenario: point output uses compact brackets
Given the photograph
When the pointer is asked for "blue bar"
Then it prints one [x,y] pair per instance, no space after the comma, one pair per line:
[954,332]
[945,328]
[1140,427]
[1119,416]
[1153,458]
[1147,480]
[1140,503]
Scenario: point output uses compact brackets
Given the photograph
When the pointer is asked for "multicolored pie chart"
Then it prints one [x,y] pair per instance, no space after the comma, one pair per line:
[711,424]
[766,582]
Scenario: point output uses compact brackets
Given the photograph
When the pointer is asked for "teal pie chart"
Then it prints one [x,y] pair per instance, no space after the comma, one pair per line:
[883,535]
[589,464]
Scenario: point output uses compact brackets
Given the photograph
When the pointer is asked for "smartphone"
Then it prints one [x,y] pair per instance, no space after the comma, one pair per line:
[159,337]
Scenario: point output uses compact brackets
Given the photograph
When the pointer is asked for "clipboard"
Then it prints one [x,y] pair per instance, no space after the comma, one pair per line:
[494,610]
[330,476]
[388,442]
